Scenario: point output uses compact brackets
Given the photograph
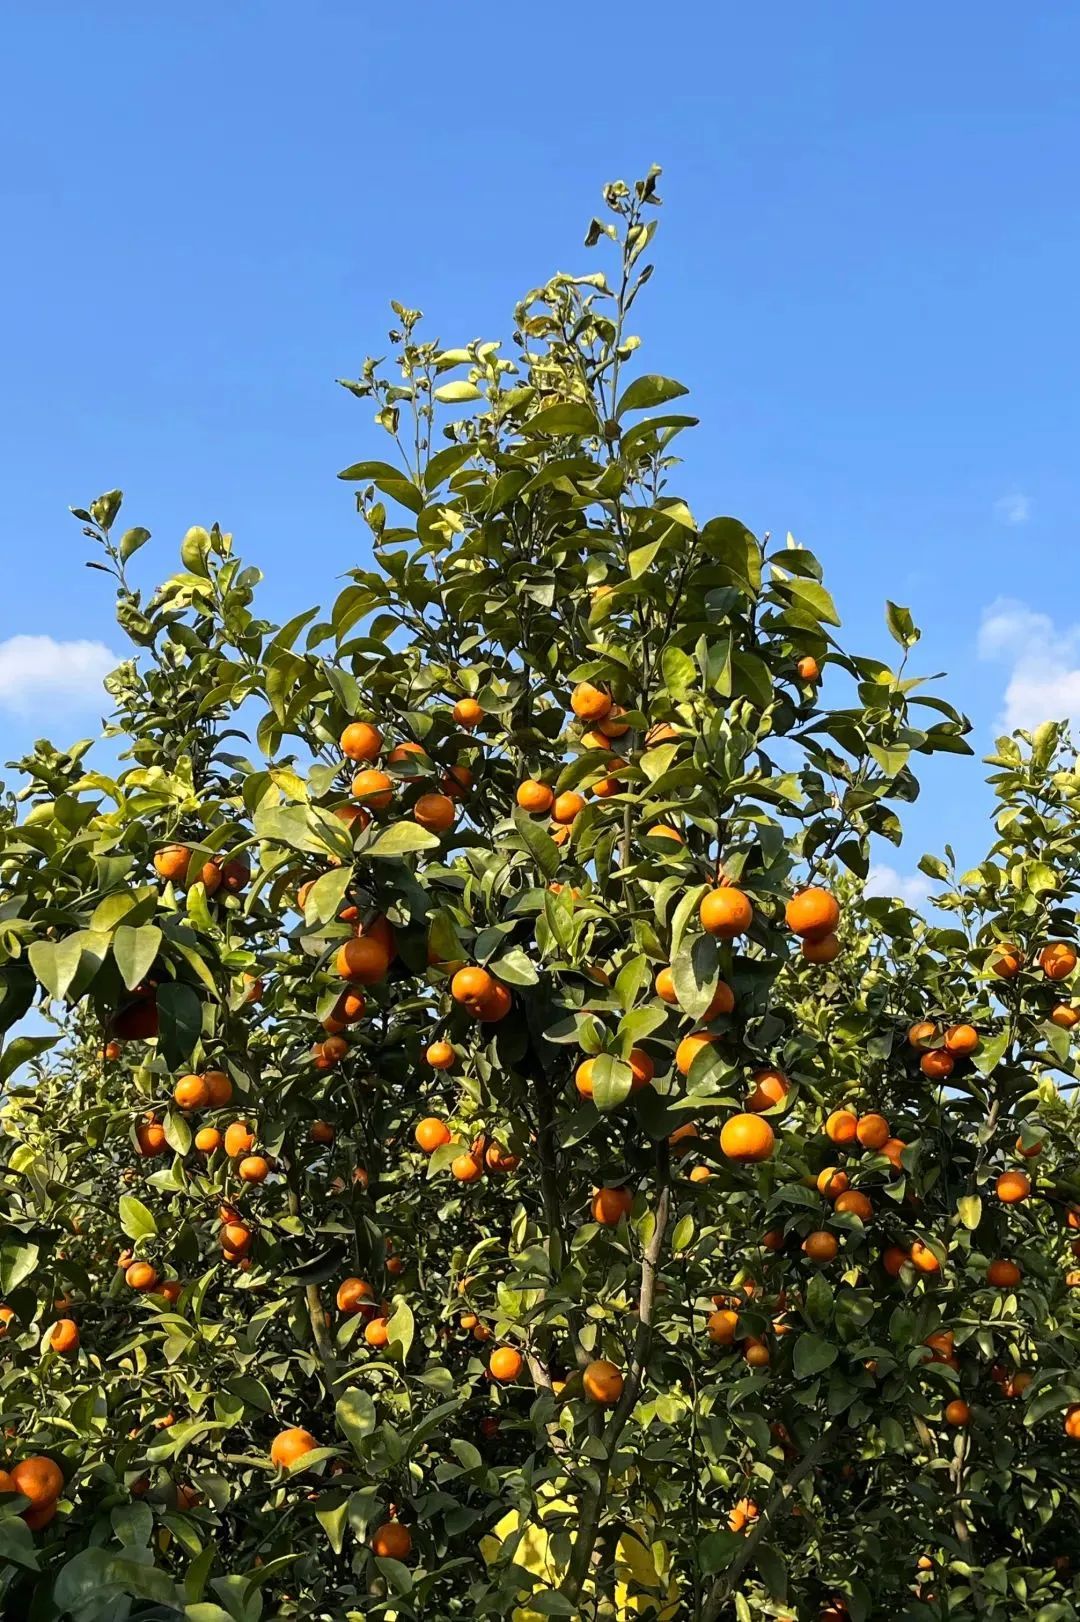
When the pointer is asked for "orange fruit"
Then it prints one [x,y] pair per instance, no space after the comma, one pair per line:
[467,713]
[505,1364]
[253,1169]
[820,1246]
[922,1035]
[841,1125]
[923,1259]
[742,1514]
[664,986]
[824,950]
[456,781]
[361,741]
[141,1276]
[756,1352]
[7,1317]
[771,1087]
[583,1078]
[150,1136]
[351,1004]
[567,806]
[495,1006]
[937,1064]
[171,863]
[1012,1186]
[440,1055]
[466,1168]
[407,752]
[773,1239]
[832,1182]
[725,913]
[218,1086]
[1006,962]
[610,1205]
[472,987]
[497,1158]
[322,1132]
[1072,1425]
[38,1479]
[391,1541]
[435,812]
[957,1412]
[207,1140]
[113,1050]
[893,1259]
[602,1381]
[191,1092]
[689,1048]
[812,914]
[364,959]
[590,703]
[63,1337]
[854,1203]
[723,1002]
[372,788]
[872,1131]
[235,1238]
[354,817]
[231,876]
[1058,960]
[377,1331]
[334,1048]
[662,830]
[1064,1016]
[534,797]
[892,1150]
[746,1139]
[721,1327]
[1032,1149]
[290,1445]
[238,1140]
[431,1134]
[807,667]
[172,1289]
[642,1069]
[612,725]
[960,1040]
[1003,1274]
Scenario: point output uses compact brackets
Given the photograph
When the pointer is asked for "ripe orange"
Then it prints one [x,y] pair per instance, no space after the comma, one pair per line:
[495,1006]
[603,1382]
[172,1289]
[234,1238]
[472,987]
[440,1055]
[364,959]
[171,863]
[757,1353]
[1072,1425]
[872,1131]
[721,1327]
[937,1064]
[1064,1016]
[505,1364]
[1012,1186]
[610,1205]
[841,1126]
[431,1134]
[497,1158]
[377,1331]
[642,1069]
[957,1412]
[854,1203]
[334,1048]
[351,1004]
[725,913]
[231,876]
[566,807]
[820,1246]
[612,725]
[466,1168]
[534,797]
[435,812]
[807,668]
[825,950]
[961,1040]
[747,1138]
[892,1150]
[112,1051]
[662,830]
[391,1541]
[812,914]
[38,1479]
[238,1140]
[290,1445]
[1006,962]
[63,1337]
[407,752]
[689,1048]
[1031,1151]
[218,1086]
[893,1260]
[141,1276]
[1058,960]
[700,1174]
[1003,1274]
[361,741]
[7,1316]
[771,1087]
[354,817]
[922,1035]
[664,986]
[150,1136]
[467,713]
[590,703]
[923,1259]
[191,1092]
[372,788]
[723,1002]
[832,1182]
[253,1169]
[457,781]
[322,1132]
[773,1239]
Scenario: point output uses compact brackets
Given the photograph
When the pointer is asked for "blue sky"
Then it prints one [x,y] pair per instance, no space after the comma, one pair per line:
[866,273]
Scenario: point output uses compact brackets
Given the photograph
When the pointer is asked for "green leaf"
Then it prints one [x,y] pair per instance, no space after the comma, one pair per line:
[696,972]
[333,1518]
[812,1354]
[683,1234]
[194,551]
[18,1259]
[17,1543]
[136,1219]
[131,540]
[22,1049]
[773,1568]
[457,393]
[179,1022]
[401,839]
[543,849]
[810,596]
[401,1328]
[650,390]
[969,1210]
[612,1080]
[323,900]
[565,417]
[902,627]
[515,968]
[56,963]
[356,1417]
[134,951]
[680,671]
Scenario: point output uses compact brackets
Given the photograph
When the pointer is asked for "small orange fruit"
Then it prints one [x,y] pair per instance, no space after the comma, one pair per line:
[854,1203]
[141,1276]
[590,703]
[239,1140]
[1006,962]
[937,1064]
[1064,1016]
[364,959]
[610,1205]
[291,1445]
[253,1169]
[467,713]
[534,797]
[872,1131]
[746,1139]
[171,863]
[922,1035]
[807,668]
[771,1087]
[435,812]
[603,1382]
[961,1040]
[825,950]
[150,1136]
[567,807]
[466,1168]
[377,1331]
[893,1259]
[431,1134]
[38,1479]
[1058,960]
[391,1541]
[361,741]
[472,987]
[725,913]
[664,986]
[812,914]
[1003,1274]
[372,788]
[689,1048]
[923,1259]
[1012,1186]
[505,1364]
[440,1055]
[721,1327]
[191,1092]
[219,1087]
[820,1246]
[957,1412]
[63,1337]
[841,1126]
[832,1182]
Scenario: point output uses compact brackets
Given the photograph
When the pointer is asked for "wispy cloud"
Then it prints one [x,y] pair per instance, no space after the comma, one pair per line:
[1043,662]
[1015,508]
[885,880]
[39,673]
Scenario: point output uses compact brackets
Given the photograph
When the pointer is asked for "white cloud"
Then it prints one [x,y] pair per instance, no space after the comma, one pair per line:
[1044,664]
[38,671]
[885,880]
[1014,508]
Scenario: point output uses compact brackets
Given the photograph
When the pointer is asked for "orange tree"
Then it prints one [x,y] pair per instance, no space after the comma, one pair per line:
[492,1160]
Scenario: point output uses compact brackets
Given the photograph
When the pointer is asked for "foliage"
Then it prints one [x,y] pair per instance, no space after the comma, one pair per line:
[525,540]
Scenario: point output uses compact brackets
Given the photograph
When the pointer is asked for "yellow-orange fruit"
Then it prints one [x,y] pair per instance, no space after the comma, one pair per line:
[372,788]
[812,914]
[431,1134]
[467,713]
[534,797]
[590,703]
[872,1131]
[391,1541]
[610,1205]
[725,913]
[290,1445]
[435,812]
[361,741]
[1012,1186]
[505,1364]
[747,1138]
[961,1040]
